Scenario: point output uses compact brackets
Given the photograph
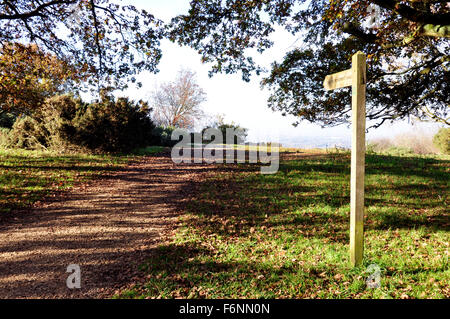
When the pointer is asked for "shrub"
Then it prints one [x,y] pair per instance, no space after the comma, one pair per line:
[7,120]
[162,136]
[4,137]
[442,140]
[114,126]
[418,143]
[67,124]
[27,133]
[50,127]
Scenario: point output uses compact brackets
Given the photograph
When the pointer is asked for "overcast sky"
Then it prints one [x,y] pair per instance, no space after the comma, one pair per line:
[241,102]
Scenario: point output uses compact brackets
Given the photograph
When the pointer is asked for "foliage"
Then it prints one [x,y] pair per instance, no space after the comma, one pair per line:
[27,133]
[4,137]
[29,176]
[66,124]
[50,127]
[220,124]
[114,126]
[177,103]
[163,136]
[248,235]
[7,120]
[406,43]
[110,41]
[442,140]
[399,151]
[29,76]
[240,133]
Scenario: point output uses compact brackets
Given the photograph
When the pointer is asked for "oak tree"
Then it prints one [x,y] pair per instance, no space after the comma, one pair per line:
[112,41]
[28,76]
[406,42]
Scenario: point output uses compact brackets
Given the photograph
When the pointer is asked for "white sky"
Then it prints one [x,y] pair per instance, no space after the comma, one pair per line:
[241,102]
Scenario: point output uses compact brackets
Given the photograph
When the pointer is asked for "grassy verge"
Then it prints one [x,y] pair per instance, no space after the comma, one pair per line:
[28,176]
[247,235]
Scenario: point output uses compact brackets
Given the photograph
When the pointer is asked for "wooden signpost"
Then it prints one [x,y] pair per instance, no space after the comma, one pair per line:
[355,77]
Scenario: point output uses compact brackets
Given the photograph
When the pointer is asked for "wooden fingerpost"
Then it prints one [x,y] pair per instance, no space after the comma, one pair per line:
[358,158]
[355,77]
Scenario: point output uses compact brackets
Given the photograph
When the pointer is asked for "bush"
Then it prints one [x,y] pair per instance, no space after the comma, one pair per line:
[162,136]
[67,124]
[442,140]
[7,120]
[4,137]
[114,126]
[27,133]
[50,127]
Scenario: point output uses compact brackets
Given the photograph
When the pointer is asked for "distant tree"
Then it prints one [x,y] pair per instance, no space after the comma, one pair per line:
[442,140]
[406,42]
[111,41]
[178,103]
[29,76]
[240,133]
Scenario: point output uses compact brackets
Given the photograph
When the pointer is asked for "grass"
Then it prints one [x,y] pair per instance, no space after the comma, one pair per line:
[28,176]
[247,235]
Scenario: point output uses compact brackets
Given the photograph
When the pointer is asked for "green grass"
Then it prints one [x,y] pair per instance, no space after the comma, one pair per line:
[28,176]
[247,235]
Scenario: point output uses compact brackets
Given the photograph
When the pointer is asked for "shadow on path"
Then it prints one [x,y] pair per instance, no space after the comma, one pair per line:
[108,228]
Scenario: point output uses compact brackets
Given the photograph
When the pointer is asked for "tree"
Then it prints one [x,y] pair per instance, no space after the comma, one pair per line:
[112,42]
[29,76]
[406,47]
[177,103]
[406,43]
[240,133]
[442,140]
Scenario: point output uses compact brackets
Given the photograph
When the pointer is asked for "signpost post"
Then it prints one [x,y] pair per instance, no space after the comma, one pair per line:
[355,77]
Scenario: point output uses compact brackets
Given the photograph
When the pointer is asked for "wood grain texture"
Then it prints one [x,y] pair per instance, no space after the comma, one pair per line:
[358,158]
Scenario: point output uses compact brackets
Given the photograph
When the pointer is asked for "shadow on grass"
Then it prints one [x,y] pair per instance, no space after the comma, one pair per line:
[24,180]
[189,271]
[312,195]
[307,199]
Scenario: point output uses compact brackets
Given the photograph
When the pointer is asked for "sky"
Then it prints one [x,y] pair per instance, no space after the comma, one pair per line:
[246,103]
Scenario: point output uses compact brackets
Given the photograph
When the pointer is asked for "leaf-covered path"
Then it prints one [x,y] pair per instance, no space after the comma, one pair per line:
[108,227]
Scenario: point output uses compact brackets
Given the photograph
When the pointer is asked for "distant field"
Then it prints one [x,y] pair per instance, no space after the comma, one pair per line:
[247,235]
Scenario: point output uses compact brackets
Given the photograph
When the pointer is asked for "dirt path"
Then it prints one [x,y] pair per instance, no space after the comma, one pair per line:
[108,228]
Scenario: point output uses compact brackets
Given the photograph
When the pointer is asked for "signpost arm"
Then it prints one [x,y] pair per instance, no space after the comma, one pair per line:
[358,158]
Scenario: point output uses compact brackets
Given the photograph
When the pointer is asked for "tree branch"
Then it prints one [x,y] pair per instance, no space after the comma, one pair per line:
[97,34]
[36,12]
[358,32]
[412,14]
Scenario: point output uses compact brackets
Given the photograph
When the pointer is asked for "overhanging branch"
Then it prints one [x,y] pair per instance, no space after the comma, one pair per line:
[412,14]
[36,12]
